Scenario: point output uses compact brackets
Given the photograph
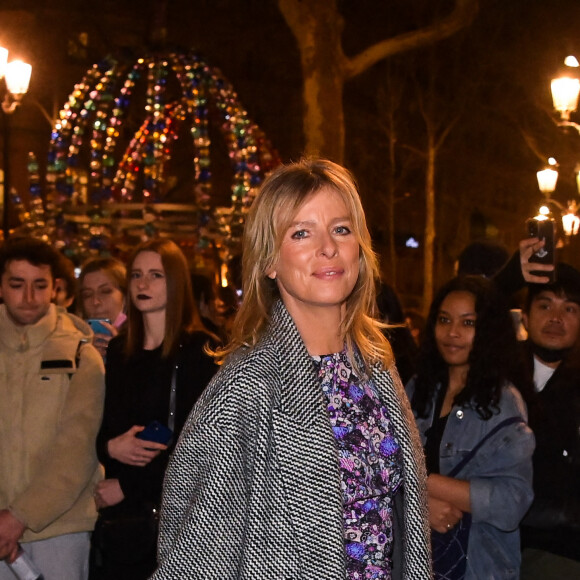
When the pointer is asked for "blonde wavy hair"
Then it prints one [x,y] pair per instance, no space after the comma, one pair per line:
[278,201]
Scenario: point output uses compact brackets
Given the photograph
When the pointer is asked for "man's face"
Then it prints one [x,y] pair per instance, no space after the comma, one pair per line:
[27,291]
[553,321]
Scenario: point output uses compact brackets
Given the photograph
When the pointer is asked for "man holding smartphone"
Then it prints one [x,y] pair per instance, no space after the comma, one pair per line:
[551,529]
[51,400]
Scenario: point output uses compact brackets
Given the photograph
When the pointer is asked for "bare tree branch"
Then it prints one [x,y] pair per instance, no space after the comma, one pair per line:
[463,14]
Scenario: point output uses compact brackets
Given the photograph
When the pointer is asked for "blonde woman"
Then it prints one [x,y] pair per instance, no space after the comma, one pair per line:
[301,458]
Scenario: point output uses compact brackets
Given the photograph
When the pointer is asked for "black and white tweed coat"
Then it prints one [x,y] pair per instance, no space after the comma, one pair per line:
[253,490]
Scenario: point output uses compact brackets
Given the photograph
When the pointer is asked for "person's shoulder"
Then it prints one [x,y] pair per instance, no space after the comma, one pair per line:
[73,337]
[259,361]
[68,323]
[247,373]
[198,339]
[570,367]
[511,402]
[116,354]
[410,386]
[117,344]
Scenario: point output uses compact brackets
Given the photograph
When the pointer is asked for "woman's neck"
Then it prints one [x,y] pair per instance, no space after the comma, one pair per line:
[457,378]
[457,381]
[320,330]
[153,329]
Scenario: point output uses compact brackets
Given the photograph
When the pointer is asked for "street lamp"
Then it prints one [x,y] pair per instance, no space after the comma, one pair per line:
[565,92]
[16,76]
[547,179]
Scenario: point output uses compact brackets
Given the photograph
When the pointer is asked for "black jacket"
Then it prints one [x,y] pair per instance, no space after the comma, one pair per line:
[553,522]
[137,392]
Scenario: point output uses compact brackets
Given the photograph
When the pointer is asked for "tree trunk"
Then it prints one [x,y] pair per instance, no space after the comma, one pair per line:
[391,200]
[317,27]
[429,252]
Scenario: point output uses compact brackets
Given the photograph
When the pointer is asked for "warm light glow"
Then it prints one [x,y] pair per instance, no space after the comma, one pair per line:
[570,223]
[565,92]
[18,77]
[3,60]
[571,61]
[547,179]
[224,275]
[544,212]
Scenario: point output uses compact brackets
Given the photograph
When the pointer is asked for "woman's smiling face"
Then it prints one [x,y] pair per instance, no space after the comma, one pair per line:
[318,265]
[455,327]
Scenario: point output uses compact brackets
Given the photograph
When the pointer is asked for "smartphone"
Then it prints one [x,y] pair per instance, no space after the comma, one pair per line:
[98,327]
[543,229]
[156,432]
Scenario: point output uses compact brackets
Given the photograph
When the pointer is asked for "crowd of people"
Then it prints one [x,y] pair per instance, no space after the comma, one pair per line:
[154,426]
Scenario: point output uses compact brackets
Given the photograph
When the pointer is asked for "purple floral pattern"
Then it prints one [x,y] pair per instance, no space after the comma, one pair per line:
[370,462]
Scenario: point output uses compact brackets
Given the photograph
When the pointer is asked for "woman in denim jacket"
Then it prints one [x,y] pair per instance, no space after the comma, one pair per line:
[462,392]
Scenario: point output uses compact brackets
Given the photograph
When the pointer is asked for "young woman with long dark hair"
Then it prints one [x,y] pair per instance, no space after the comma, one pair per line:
[155,371]
[472,421]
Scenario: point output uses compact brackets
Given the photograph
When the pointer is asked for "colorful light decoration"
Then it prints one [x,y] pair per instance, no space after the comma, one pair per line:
[93,165]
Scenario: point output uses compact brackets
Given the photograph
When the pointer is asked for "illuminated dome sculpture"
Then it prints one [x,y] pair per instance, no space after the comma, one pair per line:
[109,179]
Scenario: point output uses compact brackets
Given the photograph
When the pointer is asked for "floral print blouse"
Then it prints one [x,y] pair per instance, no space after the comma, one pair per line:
[370,462]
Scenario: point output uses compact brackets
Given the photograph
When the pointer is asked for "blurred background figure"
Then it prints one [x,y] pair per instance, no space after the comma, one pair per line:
[155,370]
[204,294]
[415,321]
[482,258]
[217,305]
[102,288]
[65,284]
[404,347]
[225,308]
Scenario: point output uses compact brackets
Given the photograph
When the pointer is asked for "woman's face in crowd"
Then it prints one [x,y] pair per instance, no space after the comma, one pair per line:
[318,264]
[100,296]
[148,284]
[455,327]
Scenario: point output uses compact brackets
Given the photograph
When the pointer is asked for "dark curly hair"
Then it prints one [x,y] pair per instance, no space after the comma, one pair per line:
[495,357]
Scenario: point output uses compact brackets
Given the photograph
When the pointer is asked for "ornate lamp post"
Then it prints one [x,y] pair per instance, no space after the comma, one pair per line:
[16,76]
[565,92]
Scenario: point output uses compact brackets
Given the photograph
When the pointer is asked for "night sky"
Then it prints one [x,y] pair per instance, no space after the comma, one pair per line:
[494,75]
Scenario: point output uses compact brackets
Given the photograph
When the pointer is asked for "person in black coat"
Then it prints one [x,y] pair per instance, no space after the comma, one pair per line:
[155,371]
[551,530]
[399,335]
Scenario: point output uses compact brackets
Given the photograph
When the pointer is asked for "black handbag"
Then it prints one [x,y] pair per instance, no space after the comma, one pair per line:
[450,549]
[129,537]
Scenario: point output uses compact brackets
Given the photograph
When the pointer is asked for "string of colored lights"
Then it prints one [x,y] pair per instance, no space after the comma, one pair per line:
[93,161]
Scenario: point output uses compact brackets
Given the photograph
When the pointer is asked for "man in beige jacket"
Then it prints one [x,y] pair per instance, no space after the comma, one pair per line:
[51,399]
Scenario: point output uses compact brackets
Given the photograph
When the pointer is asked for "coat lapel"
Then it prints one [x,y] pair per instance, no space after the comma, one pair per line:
[308,456]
